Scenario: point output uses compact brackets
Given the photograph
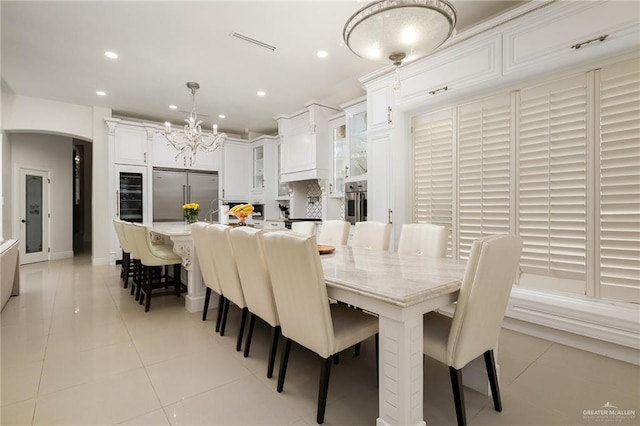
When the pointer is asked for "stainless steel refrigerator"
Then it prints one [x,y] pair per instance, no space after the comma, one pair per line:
[172,188]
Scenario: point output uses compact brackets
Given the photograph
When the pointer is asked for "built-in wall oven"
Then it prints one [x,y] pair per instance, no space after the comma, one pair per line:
[355,202]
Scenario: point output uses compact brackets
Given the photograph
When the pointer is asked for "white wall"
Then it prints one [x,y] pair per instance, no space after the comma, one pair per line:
[5,231]
[35,115]
[100,215]
[54,153]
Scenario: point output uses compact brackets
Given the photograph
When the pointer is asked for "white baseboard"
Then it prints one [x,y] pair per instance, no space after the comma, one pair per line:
[607,328]
[100,261]
[61,255]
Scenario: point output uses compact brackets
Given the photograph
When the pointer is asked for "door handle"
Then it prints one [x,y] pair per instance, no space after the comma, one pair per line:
[184,194]
[189,194]
[23,221]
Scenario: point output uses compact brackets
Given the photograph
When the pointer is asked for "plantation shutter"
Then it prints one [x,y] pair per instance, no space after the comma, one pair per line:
[619,182]
[484,170]
[552,178]
[433,169]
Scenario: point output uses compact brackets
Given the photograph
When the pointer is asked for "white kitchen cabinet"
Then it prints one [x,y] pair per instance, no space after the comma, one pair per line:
[379,191]
[235,182]
[130,143]
[339,154]
[283,188]
[264,171]
[569,33]
[258,167]
[443,73]
[380,105]
[356,117]
[273,224]
[305,136]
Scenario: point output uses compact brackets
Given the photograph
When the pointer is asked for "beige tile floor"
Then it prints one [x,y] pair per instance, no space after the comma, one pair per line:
[77,350]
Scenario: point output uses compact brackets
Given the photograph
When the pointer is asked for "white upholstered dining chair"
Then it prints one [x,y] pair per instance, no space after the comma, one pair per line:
[477,320]
[224,262]
[304,228]
[423,239]
[306,316]
[334,232]
[248,244]
[371,235]
[209,276]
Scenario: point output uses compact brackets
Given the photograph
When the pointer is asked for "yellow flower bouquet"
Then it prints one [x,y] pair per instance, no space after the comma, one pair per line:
[241,211]
[191,211]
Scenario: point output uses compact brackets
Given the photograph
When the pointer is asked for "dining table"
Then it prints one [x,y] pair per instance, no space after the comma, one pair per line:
[399,289]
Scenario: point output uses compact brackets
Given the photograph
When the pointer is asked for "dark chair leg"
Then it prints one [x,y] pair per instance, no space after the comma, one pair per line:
[243,320]
[490,362]
[135,279]
[275,336]
[219,314]
[377,361]
[336,359]
[225,313]
[140,280]
[247,345]
[357,349]
[149,283]
[207,297]
[325,373]
[458,395]
[284,360]
[125,268]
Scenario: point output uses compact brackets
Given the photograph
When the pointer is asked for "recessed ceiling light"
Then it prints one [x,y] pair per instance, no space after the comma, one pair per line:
[173,107]
[322,54]
[111,55]
[222,116]
[261,93]
[101,93]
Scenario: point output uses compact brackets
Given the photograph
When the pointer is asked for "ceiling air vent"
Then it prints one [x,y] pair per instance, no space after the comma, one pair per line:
[252,40]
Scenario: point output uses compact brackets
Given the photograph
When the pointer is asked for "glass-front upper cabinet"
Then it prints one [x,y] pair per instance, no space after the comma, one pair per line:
[357,134]
[258,167]
[340,155]
[283,188]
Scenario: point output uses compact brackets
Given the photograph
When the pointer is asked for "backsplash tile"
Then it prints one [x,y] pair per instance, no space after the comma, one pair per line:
[314,200]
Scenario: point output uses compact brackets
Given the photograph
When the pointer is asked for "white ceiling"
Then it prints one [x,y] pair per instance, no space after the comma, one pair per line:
[55,50]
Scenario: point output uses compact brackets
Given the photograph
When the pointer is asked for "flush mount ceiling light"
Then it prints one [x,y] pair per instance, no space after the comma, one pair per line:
[399,30]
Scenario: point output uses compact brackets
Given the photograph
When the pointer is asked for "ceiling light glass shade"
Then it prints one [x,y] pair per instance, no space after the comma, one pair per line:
[399,30]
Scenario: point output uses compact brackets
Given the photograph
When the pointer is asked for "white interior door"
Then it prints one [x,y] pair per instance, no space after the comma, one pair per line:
[34,215]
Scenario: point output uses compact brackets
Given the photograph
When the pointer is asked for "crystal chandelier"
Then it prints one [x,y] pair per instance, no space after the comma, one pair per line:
[191,139]
[399,30]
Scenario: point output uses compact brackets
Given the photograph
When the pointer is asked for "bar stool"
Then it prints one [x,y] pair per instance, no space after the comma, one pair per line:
[126,270]
[155,255]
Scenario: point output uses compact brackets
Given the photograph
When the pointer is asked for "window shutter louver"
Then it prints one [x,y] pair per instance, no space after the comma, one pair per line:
[619,182]
[484,173]
[432,173]
[552,178]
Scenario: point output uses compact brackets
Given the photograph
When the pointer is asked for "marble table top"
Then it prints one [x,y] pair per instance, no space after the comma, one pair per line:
[402,280]
[171,228]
